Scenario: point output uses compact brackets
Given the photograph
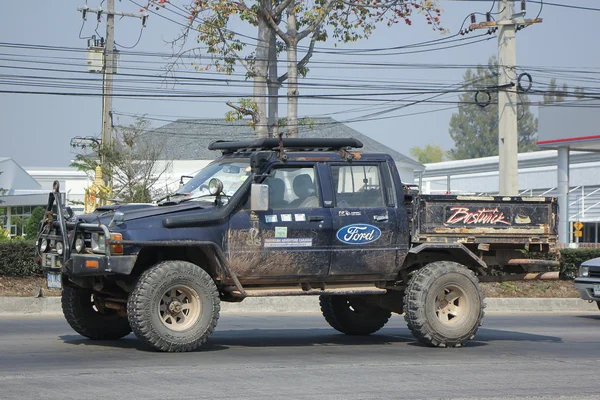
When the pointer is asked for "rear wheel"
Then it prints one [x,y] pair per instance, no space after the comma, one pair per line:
[443,304]
[174,306]
[86,314]
[352,315]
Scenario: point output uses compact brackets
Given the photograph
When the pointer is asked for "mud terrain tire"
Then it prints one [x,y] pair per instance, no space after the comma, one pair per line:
[174,306]
[96,324]
[350,315]
[443,304]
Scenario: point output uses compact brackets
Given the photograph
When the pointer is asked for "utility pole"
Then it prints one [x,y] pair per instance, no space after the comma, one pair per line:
[107,85]
[508,136]
[108,70]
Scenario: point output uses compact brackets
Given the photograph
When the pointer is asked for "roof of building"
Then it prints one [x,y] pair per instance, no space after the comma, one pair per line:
[490,164]
[188,139]
[13,177]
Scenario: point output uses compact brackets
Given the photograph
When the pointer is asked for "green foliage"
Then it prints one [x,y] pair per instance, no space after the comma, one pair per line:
[2,191]
[32,225]
[17,258]
[555,95]
[570,259]
[579,93]
[245,107]
[306,122]
[431,153]
[474,129]
[18,222]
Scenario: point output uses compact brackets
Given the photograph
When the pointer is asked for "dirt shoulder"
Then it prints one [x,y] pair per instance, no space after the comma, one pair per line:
[29,286]
[24,286]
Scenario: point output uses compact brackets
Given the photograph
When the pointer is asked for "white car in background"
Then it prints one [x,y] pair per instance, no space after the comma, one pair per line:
[588,280]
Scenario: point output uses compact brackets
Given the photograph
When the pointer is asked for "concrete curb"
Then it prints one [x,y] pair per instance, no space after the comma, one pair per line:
[14,306]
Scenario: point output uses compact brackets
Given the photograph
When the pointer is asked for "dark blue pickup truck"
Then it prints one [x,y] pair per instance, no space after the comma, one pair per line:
[290,217]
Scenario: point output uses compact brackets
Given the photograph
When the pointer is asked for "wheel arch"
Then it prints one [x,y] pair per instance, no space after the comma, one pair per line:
[427,253]
[204,255]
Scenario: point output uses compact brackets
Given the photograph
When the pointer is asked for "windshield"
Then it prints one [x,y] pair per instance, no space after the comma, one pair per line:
[232,173]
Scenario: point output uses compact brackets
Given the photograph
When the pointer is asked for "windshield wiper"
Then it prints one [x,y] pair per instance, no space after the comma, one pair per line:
[168,201]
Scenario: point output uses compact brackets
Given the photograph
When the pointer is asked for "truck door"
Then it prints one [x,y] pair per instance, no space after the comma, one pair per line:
[293,238]
[365,220]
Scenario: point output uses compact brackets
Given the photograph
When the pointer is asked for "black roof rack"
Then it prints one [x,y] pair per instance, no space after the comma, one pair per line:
[323,144]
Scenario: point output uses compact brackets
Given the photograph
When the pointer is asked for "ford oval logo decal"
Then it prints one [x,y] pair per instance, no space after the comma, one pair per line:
[358,234]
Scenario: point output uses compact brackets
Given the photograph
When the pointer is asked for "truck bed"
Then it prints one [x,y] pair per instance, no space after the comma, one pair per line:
[491,219]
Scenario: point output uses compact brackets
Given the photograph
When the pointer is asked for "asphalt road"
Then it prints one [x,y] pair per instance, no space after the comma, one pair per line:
[297,356]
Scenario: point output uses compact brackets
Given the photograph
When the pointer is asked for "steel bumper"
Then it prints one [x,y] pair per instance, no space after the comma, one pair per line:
[99,264]
[586,288]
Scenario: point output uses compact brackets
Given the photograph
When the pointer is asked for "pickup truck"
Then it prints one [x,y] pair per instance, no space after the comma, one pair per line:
[588,280]
[291,217]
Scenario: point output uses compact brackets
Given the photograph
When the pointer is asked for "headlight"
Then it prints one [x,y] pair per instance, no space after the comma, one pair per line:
[60,248]
[98,243]
[79,245]
[43,245]
[215,186]
[584,271]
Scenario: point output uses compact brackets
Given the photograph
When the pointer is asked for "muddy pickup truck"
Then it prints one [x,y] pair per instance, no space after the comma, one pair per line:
[291,217]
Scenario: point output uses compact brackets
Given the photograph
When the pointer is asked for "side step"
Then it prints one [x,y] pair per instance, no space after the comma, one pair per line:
[306,290]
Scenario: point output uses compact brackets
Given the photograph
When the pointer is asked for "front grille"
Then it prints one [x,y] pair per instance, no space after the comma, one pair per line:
[594,273]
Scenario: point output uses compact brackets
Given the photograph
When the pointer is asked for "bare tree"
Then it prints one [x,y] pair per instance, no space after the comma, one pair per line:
[134,163]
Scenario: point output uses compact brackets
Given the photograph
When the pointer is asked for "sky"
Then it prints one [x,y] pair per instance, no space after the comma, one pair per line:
[37,128]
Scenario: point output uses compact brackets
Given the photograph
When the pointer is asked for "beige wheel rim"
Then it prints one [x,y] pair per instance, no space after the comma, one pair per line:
[179,307]
[451,305]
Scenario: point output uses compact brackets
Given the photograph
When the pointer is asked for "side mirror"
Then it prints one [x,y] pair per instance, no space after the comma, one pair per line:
[259,197]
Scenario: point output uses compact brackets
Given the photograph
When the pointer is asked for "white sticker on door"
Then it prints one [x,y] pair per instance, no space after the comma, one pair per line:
[281,231]
[288,242]
[269,219]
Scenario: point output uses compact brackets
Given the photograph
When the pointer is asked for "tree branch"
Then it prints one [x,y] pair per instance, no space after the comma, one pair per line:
[302,63]
[243,110]
[273,24]
[281,7]
[327,6]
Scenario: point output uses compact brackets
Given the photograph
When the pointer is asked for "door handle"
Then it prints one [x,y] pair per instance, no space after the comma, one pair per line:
[316,218]
[381,218]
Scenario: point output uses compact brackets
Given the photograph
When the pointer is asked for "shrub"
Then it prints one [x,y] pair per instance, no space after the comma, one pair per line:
[572,258]
[17,258]
[32,225]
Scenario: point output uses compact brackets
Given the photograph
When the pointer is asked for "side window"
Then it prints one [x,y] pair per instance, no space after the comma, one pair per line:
[292,188]
[357,186]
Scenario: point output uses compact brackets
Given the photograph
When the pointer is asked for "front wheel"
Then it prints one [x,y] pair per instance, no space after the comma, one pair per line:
[443,304]
[87,315]
[174,306]
[352,315]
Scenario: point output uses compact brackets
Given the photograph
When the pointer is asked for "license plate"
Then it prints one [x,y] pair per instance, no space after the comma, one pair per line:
[596,290]
[54,280]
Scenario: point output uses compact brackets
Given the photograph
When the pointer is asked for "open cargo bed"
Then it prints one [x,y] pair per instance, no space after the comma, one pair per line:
[514,221]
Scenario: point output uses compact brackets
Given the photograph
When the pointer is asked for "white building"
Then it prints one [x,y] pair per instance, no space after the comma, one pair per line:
[537,177]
